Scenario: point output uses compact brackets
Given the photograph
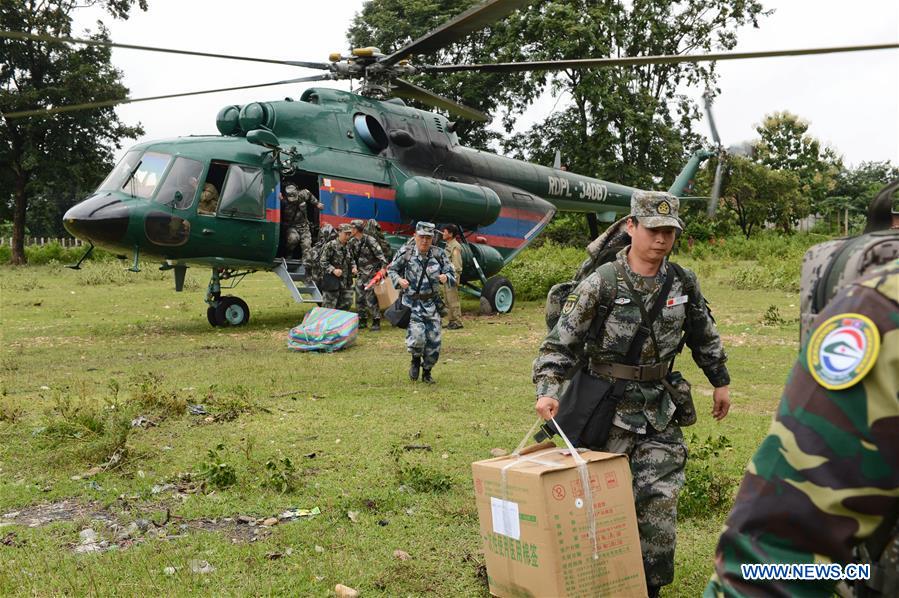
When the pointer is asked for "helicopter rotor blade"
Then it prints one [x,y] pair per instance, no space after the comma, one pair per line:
[116,102]
[19,35]
[403,88]
[557,65]
[716,185]
[707,98]
[473,19]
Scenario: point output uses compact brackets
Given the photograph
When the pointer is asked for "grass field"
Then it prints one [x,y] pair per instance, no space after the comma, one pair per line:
[84,353]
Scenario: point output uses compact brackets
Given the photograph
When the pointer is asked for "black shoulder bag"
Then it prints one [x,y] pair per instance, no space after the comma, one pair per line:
[587,405]
[398,314]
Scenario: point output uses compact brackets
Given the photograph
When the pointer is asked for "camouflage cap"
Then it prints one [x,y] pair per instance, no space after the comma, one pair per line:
[357,224]
[424,228]
[655,209]
[291,189]
[345,228]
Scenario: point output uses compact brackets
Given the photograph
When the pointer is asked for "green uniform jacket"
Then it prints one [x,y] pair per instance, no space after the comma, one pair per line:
[644,403]
[337,256]
[827,473]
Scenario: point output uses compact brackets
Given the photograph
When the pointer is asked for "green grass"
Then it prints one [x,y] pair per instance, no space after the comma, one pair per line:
[85,351]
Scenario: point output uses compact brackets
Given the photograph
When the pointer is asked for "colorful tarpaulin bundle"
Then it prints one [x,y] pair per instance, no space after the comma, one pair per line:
[324,329]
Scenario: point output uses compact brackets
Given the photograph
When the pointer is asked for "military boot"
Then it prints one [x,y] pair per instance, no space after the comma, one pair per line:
[376,325]
[426,377]
[363,324]
[415,368]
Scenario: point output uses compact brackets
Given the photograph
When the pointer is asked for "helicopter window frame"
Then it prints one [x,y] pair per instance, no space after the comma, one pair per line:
[145,178]
[115,179]
[252,188]
[339,204]
[175,181]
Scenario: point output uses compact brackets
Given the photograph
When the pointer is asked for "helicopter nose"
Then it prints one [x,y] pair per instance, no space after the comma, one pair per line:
[101,220]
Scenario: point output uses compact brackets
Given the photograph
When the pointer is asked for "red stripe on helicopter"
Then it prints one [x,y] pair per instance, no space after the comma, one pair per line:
[362,189]
[517,214]
[273,215]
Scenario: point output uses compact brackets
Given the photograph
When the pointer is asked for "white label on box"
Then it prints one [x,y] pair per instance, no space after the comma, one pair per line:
[505,517]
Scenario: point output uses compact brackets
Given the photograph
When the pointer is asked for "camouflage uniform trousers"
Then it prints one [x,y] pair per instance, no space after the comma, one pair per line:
[339,299]
[299,235]
[423,333]
[366,300]
[657,463]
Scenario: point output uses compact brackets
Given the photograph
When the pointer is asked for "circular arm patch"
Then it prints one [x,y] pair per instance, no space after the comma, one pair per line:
[842,350]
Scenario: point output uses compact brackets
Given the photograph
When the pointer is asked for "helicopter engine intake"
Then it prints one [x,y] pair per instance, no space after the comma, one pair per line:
[426,198]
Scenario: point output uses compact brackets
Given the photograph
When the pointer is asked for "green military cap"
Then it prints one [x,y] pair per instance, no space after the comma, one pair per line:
[357,224]
[424,228]
[345,228]
[655,209]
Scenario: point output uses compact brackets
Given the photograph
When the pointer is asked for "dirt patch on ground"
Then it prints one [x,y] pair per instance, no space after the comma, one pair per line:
[134,524]
[65,510]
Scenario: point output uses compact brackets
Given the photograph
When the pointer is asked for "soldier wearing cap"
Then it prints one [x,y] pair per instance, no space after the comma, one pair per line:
[644,421]
[337,261]
[368,259]
[419,270]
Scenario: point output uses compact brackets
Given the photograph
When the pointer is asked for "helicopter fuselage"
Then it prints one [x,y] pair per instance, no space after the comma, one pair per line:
[215,200]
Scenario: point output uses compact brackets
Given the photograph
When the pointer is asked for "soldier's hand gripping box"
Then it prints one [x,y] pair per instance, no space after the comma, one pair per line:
[535,525]
[386,293]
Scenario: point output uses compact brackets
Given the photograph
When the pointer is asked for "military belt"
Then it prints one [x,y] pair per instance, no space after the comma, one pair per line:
[638,373]
[423,296]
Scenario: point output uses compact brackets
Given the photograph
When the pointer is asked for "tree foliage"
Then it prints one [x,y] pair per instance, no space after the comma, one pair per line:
[62,156]
[756,194]
[855,188]
[628,125]
[785,144]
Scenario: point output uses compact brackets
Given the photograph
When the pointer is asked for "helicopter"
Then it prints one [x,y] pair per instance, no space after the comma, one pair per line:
[364,155]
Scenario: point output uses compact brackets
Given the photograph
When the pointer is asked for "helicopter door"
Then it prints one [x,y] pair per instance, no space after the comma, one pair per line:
[234,221]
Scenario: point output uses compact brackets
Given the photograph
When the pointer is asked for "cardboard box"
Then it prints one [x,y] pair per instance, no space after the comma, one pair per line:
[386,293]
[535,528]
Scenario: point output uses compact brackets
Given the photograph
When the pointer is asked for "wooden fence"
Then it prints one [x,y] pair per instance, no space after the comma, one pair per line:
[64,241]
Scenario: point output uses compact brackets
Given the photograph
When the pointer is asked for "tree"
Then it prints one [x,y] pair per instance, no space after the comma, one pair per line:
[65,153]
[855,188]
[785,144]
[757,194]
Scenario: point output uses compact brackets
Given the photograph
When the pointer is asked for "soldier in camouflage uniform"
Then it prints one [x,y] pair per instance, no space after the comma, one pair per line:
[336,259]
[419,270]
[374,229]
[295,221]
[369,259]
[642,425]
[825,481]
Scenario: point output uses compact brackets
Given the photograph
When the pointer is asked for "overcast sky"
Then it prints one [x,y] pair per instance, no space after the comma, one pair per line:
[851,100]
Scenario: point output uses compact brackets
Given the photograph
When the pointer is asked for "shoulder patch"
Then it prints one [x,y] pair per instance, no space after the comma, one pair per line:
[570,302]
[842,350]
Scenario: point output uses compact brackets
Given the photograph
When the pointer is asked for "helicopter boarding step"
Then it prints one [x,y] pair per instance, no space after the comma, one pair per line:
[293,274]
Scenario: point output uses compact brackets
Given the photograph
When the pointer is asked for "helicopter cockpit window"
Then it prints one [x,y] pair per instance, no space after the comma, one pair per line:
[180,186]
[146,176]
[242,195]
[123,169]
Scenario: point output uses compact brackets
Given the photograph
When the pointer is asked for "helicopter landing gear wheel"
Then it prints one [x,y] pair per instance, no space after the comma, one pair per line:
[232,311]
[499,294]
[210,316]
